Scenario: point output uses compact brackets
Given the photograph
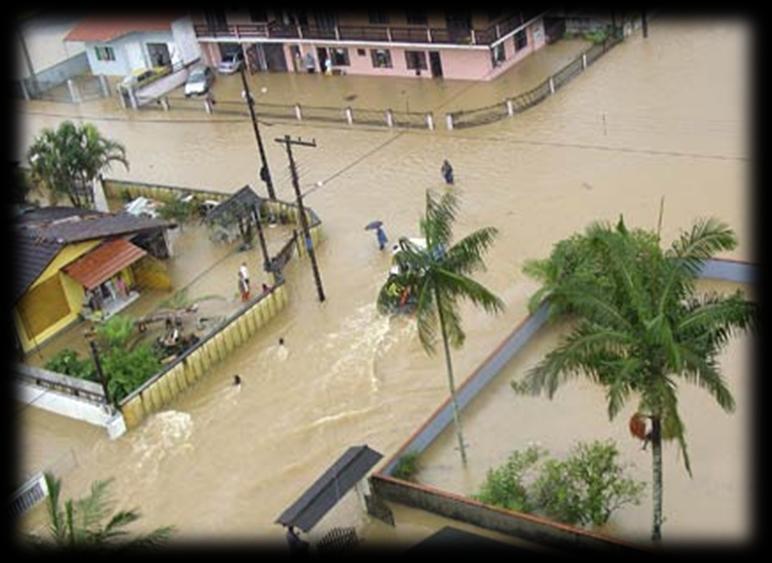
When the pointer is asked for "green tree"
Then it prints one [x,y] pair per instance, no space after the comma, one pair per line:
[641,327]
[68,160]
[178,210]
[68,362]
[439,276]
[81,523]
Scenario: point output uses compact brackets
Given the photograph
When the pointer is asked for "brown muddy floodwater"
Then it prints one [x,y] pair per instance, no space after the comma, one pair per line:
[222,463]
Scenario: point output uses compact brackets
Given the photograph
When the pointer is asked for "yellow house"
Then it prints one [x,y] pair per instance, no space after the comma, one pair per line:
[72,263]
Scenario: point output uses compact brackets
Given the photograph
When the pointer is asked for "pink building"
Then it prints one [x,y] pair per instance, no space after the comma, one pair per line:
[454,45]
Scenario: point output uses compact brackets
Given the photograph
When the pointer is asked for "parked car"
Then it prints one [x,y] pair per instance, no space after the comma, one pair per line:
[199,81]
[142,207]
[144,76]
[231,63]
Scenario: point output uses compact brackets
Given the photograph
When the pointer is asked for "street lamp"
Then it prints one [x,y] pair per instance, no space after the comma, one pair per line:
[265,174]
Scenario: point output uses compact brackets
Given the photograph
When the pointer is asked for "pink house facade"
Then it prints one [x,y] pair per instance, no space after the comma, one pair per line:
[412,44]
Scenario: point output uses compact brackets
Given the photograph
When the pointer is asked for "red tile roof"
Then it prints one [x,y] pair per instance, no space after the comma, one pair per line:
[104,262]
[107,29]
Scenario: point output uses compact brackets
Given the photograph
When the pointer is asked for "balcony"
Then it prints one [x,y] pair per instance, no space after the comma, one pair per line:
[377,33]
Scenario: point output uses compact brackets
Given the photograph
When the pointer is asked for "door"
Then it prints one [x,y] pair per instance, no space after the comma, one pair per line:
[158,53]
[436,64]
[321,56]
[297,58]
[274,57]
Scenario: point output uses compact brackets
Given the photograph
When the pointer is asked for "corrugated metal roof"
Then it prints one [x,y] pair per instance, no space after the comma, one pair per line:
[107,29]
[103,262]
[102,225]
[239,204]
[449,537]
[325,493]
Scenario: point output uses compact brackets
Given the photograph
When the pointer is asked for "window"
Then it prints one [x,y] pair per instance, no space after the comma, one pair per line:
[498,54]
[416,18]
[521,40]
[415,60]
[104,53]
[378,17]
[339,57]
[381,58]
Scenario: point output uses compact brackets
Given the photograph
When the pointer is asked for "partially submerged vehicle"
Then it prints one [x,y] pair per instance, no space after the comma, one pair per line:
[402,298]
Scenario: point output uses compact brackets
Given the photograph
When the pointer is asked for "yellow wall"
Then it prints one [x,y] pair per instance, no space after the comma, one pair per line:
[73,291]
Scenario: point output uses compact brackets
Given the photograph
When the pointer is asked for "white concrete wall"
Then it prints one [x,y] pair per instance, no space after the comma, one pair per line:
[118,67]
[44,39]
[71,407]
[130,53]
[184,37]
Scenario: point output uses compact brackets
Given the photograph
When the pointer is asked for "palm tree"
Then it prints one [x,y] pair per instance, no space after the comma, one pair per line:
[438,276]
[79,523]
[641,327]
[68,160]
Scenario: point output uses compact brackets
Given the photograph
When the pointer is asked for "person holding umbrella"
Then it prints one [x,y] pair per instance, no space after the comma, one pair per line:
[377,226]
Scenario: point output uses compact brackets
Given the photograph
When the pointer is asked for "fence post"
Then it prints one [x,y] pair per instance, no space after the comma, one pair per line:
[105,85]
[474,37]
[430,121]
[74,94]
[584,61]
[122,97]
[165,103]
[349,116]
[552,86]
[207,105]
[337,33]
[133,99]
[388,34]
[298,113]
[428,35]
[300,31]
[449,121]
[389,118]
[510,108]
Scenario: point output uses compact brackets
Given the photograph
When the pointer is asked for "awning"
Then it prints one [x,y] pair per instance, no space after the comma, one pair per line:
[104,262]
[325,493]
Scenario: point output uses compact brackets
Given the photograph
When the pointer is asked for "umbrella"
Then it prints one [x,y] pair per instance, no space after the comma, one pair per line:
[372,225]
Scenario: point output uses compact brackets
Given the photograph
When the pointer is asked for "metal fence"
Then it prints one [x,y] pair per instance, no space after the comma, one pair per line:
[508,107]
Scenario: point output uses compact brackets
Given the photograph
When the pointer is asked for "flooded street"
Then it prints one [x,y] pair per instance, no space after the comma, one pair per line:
[223,463]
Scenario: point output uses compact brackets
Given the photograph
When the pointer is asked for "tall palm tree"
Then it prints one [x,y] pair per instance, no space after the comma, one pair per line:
[439,276]
[641,327]
[79,523]
[68,160]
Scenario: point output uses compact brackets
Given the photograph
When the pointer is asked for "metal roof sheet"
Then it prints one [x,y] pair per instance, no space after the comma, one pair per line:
[103,262]
[328,489]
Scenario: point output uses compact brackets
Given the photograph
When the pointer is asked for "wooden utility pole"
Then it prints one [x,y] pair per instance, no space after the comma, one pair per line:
[265,174]
[100,373]
[287,142]
[266,258]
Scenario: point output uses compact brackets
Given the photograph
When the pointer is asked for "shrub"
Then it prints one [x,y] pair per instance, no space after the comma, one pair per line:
[68,363]
[584,489]
[116,331]
[127,370]
[506,486]
[177,210]
[407,467]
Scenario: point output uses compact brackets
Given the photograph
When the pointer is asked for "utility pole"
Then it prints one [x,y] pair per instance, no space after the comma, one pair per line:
[287,142]
[100,373]
[266,260]
[265,174]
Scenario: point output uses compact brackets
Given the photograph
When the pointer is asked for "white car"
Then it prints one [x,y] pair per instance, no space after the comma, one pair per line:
[199,81]
[142,207]
[231,63]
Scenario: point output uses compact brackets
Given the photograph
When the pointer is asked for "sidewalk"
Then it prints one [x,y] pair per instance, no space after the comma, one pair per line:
[400,94]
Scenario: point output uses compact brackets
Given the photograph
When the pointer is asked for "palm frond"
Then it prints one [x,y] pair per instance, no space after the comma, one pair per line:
[459,286]
[437,224]
[426,316]
[466,256]
[704,373]
[716,317]
[670,403]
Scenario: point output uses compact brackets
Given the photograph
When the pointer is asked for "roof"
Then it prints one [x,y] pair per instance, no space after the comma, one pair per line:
[449,537]
[32,257]
[104,262]
[41,233]
[328,489]
[88,225]
[107,29]
[237,204]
